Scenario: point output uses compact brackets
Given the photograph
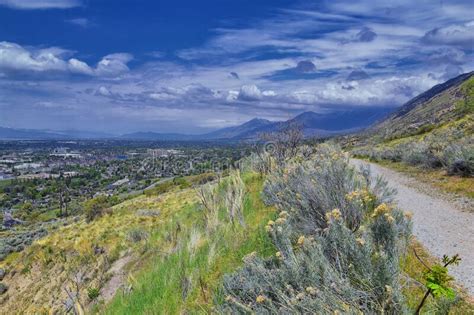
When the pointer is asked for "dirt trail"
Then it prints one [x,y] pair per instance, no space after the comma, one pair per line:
[438,224]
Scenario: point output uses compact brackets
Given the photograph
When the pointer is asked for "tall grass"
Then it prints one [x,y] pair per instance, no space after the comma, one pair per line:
[185,278]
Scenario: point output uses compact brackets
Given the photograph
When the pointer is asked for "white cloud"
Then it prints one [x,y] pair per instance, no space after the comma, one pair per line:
[113,64]
[455,34]
[78,66]
[103,91]
[251,79]
[40,4]
[250,93]
[14,57]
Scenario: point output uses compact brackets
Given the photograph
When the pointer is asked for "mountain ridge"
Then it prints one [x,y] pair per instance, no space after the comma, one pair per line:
[430,109]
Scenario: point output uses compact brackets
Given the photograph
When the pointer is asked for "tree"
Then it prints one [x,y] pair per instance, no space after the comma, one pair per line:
[95,207]
[283,144]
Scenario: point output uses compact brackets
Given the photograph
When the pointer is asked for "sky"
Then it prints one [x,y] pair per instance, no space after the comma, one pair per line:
[192,66]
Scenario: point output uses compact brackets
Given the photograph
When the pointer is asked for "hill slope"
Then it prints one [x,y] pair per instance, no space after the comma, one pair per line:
[433,108]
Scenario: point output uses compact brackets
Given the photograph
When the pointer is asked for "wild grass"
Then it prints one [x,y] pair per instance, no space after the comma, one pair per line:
[449,147]
[42,271]
[185,278]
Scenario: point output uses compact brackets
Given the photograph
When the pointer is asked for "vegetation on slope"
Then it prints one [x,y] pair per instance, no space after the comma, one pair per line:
[186,278]
[336,245]
[442,147]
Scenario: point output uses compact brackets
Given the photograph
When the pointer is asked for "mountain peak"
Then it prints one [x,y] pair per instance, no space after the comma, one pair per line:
[257,120]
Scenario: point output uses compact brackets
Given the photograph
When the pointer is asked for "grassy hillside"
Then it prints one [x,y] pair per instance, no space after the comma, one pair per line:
[336,244]
[186,279]
[138,247]
[441,105]
[435,136]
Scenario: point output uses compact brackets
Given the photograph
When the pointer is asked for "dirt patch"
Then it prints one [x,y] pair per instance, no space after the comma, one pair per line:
[117,280]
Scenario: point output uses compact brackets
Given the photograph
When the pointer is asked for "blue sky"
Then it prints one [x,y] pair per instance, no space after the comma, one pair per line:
[194,66]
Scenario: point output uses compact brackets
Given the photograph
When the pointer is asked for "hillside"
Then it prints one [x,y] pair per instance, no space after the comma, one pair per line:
[139,244]
[430,136]
[229,246]
[438,106]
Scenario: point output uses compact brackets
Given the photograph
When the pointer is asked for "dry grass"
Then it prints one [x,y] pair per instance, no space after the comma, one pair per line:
[461,186]
[37,276]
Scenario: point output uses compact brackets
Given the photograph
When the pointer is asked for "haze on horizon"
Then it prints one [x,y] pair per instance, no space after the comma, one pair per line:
[195,66]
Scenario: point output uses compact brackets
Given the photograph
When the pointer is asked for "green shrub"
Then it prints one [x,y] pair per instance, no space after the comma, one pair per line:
[314,187]
[338,245]
[338,270]
[466,105]
[93,293]
[96,207]
[459,158]
[136,235]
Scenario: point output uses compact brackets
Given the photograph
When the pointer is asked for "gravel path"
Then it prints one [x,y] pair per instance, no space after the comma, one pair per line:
[438,224]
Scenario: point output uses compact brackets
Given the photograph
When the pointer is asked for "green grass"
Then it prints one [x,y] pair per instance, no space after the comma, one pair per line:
[160,287]
[5,182]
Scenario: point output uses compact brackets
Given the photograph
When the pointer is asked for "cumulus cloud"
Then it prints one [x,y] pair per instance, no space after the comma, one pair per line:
[455,34]
[250,93]
[103,91]
[78,66]
[114,64]
[17,58]
[40,4]
[260,77]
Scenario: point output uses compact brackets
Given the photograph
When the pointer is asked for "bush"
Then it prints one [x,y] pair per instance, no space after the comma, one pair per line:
[136,235]
[96,207]
[93,293]
[310,189]
[338,245]
[459,159]
[336,270]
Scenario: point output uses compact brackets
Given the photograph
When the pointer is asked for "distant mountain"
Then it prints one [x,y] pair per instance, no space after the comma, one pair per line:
[33,134]
[28,134]
[81,134]
[313,124]
[249,127]
[227,133]
[155,136]
[431,109]
[341,121]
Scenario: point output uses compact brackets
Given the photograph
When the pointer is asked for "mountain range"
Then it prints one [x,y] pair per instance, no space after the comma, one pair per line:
[410,115]
[313,124]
